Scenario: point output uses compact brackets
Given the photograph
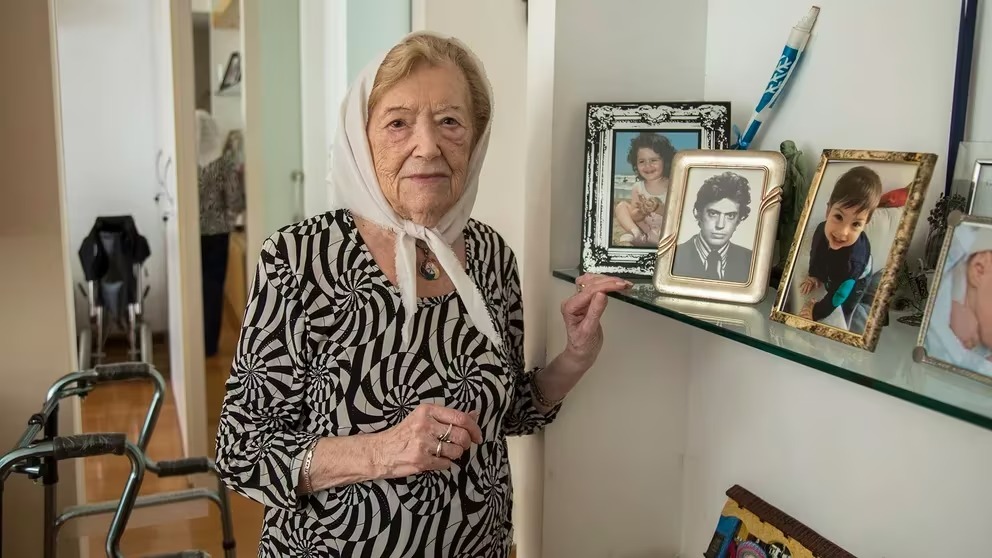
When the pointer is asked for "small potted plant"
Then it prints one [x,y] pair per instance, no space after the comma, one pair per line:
[938,227]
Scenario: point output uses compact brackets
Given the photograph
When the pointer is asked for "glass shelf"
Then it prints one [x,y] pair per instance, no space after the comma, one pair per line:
[890,369]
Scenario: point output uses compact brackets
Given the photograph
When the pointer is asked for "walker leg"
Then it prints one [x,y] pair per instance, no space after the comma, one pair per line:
[227,526]
[50,479]
[1,519]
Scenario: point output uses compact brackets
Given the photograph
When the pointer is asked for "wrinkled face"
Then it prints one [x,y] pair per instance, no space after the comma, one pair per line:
[420,134]
[649,164]
[844,225]
[718,221]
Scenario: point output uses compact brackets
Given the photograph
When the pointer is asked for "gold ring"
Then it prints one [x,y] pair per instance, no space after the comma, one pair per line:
[437,452]
[581,286]
[445,437]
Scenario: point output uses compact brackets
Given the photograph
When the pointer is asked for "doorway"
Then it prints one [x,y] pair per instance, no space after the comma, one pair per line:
[127,155]
[133,103]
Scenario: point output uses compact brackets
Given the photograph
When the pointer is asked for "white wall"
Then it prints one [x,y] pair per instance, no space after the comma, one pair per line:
[613,471]
[879,105]
[227,107]
[338,38]
[109,116]
[842,458]
[587,70]
[980,112]
[36,333]
[322,78]
[374,27]
[497,32]
[829,452]
[875,474]
[273,117]
[613,459]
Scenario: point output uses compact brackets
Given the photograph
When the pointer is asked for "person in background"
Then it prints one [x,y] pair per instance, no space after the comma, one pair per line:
[380,366]
[222,198]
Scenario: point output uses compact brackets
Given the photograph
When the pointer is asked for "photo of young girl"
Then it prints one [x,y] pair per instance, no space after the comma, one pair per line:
[642,177]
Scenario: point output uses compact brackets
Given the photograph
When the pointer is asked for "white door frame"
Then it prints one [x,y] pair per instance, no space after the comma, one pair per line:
[188,221]
[323,82]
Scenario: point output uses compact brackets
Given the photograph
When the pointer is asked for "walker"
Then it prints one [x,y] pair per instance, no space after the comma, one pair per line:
[38,460]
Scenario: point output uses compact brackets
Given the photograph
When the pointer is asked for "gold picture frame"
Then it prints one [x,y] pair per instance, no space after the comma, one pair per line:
[892,226]
[724,203]
[936,339]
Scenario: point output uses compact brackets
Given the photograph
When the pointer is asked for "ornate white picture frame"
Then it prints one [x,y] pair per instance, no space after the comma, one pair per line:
[629,148]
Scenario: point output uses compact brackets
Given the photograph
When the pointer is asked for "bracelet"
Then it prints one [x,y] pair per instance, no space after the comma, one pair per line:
[539,395]
[306,467]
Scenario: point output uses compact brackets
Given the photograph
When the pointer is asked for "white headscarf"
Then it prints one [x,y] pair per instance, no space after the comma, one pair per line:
[209,144]
[354,186]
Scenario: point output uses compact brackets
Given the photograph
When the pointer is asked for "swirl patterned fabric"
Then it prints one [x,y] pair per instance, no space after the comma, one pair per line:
[319,355]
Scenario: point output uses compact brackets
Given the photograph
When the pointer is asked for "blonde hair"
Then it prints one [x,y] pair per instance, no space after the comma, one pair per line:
[434,51]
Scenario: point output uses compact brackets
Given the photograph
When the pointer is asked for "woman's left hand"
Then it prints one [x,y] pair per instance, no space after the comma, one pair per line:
[582,312]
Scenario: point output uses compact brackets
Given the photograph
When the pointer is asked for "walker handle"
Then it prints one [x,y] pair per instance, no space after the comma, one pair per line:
[120,371]
[182,467]
[87,445]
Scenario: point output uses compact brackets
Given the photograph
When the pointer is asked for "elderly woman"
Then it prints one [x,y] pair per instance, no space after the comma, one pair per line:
[380,364]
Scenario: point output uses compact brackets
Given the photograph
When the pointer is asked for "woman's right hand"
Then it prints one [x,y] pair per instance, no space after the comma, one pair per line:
[409,447]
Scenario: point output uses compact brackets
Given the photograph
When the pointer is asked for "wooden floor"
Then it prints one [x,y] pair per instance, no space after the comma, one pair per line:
[122,408]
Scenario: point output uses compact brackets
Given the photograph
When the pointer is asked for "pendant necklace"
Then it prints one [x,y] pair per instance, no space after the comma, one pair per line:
[429,269]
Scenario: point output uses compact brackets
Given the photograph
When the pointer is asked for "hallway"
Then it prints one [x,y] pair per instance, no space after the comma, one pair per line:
[122,408]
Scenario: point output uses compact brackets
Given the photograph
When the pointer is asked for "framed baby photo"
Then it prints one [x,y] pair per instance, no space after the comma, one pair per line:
[956,333]
[719,232]
[628,166]
[860,215]
[980,194]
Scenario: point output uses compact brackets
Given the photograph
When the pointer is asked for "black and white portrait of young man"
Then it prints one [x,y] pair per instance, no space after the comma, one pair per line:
[716,238]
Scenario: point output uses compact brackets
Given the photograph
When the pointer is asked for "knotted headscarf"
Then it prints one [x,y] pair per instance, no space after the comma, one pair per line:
[354,186]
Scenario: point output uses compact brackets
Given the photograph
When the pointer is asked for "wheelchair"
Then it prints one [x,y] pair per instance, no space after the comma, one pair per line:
[38,460]
[113,257]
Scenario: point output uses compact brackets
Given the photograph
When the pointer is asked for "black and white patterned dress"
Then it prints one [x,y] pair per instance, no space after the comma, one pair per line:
[319,355]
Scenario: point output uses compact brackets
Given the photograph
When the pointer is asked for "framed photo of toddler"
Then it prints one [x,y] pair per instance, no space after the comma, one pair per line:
[720,227]
[956,333]
[628,165]
[860,215]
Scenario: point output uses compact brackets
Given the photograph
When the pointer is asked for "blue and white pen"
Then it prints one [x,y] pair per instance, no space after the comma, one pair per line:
[783,71]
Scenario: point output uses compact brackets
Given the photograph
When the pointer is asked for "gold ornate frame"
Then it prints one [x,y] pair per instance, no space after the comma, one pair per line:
[954,220]
[767,212]
[867,340]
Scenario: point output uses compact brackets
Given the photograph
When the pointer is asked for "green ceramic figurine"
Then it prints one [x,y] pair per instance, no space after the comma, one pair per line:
[794,192]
